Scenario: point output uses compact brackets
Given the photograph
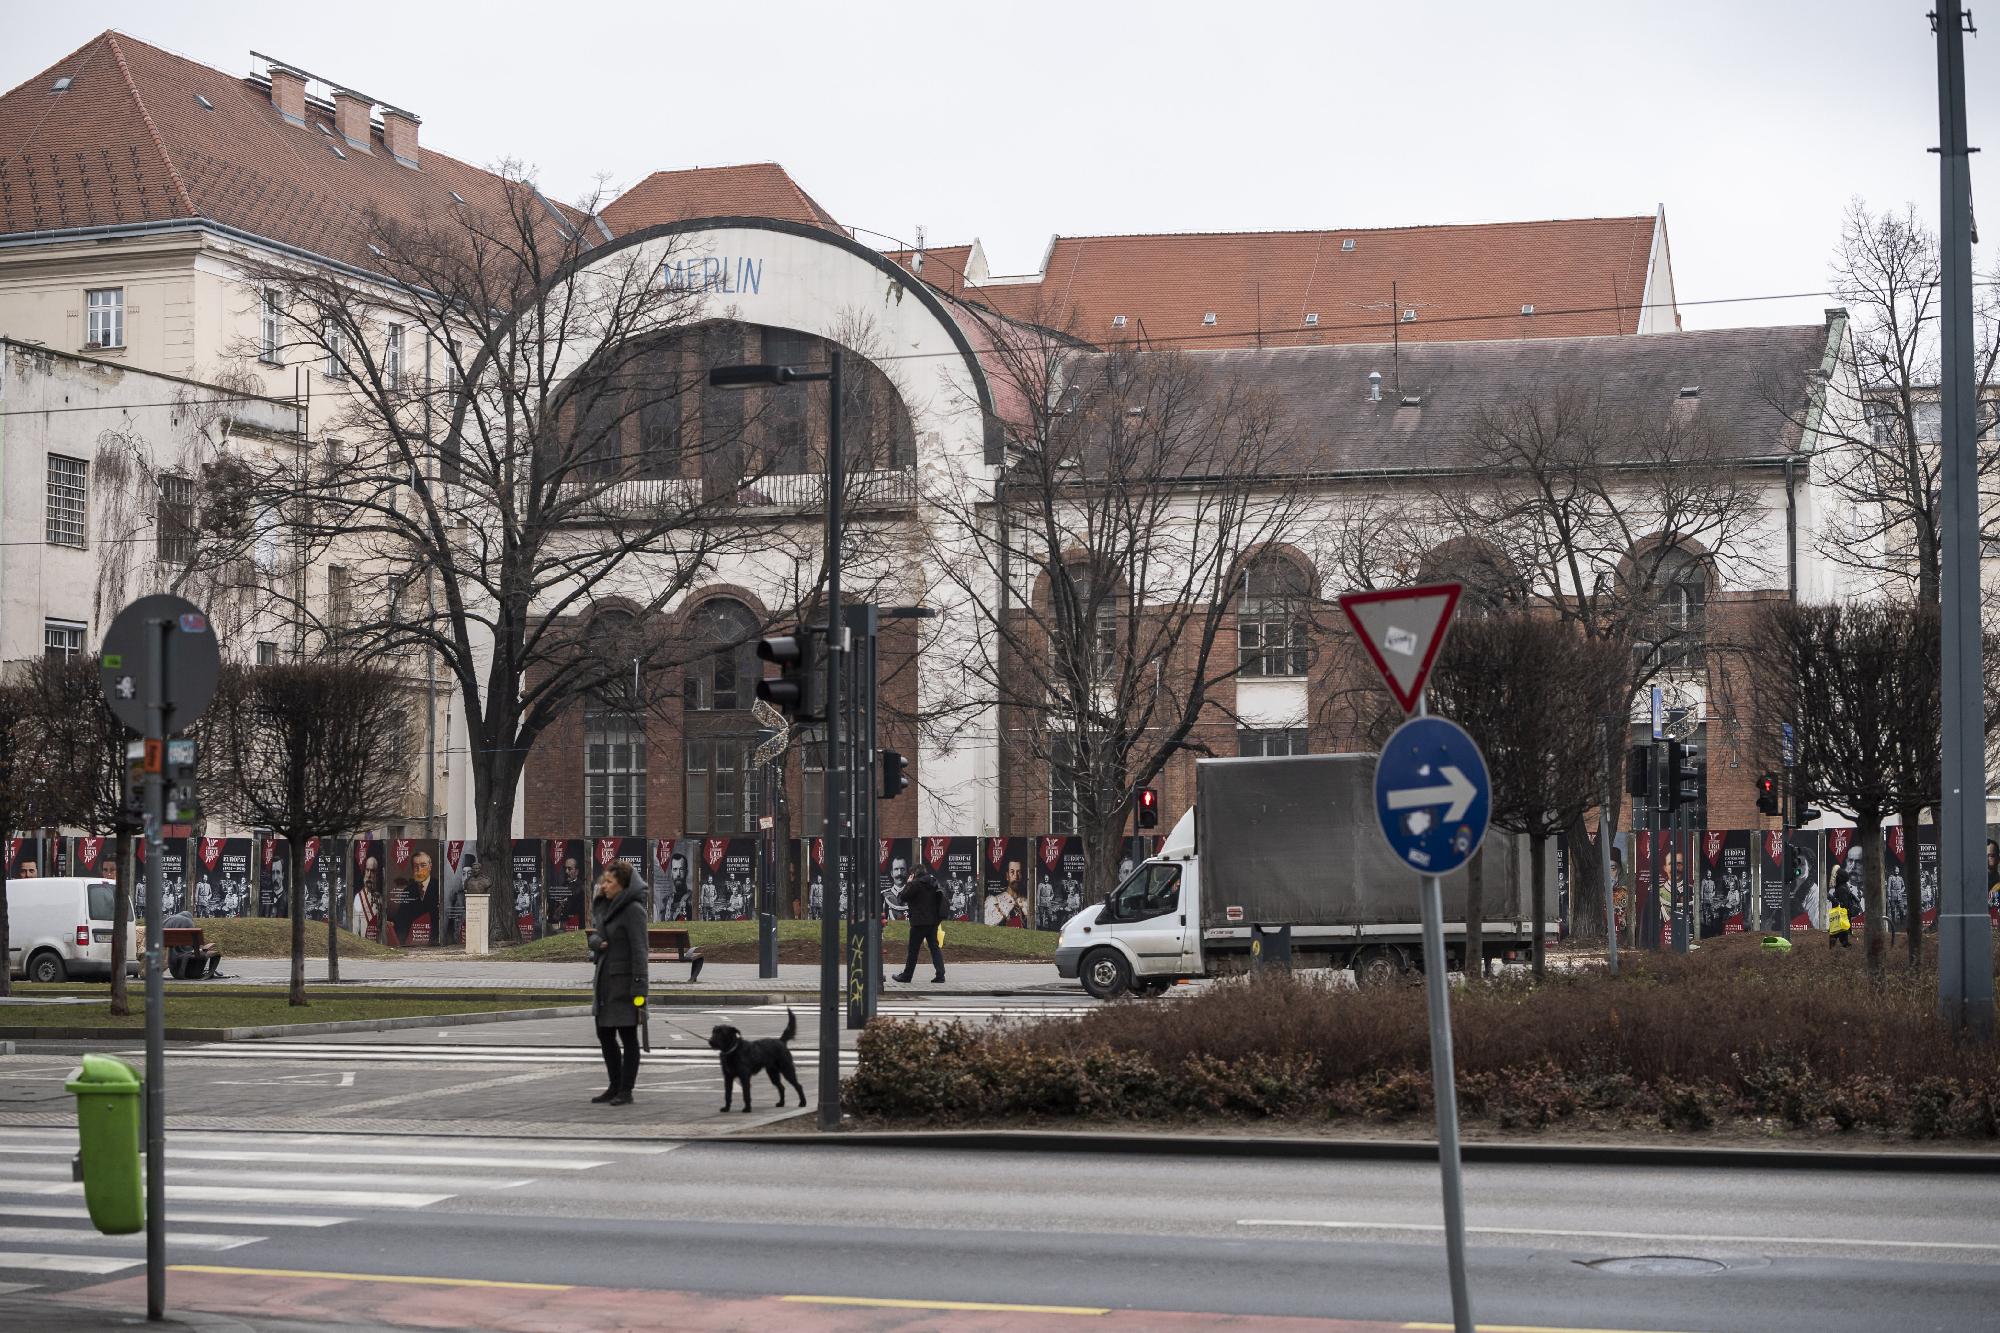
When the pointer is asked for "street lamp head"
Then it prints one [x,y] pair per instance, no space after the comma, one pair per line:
[747,377]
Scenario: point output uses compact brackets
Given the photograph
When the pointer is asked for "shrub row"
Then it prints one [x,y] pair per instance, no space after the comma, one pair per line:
[1729,1034]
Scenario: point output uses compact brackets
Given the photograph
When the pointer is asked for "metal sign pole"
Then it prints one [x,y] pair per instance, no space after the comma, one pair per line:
[1444,1088]
[156,966]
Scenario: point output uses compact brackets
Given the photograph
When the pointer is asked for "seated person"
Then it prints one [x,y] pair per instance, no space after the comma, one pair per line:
[187,962]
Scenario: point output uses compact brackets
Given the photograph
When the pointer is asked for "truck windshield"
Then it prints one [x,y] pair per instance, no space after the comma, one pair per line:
[101,895]
[1153,890]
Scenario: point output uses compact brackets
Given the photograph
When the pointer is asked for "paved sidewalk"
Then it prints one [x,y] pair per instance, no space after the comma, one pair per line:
[445,970]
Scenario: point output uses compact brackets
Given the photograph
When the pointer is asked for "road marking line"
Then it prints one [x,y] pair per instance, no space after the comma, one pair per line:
[380,1102]
[368,1277]
[67,1263]
[254,1194]
[357,1159]
[332,1178]
[390,1143]
[894,1304]
[1434,1227]
[68,1235]
[205,1219]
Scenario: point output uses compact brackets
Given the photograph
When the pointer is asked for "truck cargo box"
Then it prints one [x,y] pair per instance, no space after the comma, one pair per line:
[1294,841]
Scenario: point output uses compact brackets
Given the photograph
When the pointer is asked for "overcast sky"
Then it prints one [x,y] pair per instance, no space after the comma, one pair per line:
[1752,121]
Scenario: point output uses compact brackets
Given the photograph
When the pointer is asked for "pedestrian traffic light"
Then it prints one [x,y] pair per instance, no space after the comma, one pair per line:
[895,774]
[798,690]
[1767,794]
[1149,807]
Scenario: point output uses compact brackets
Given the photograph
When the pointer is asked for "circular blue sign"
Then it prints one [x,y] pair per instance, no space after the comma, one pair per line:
[1432,795]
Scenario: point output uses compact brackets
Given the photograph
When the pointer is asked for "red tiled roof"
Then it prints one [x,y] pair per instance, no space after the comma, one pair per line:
[944,265]
[752,189]
[1463,281]
[128,142]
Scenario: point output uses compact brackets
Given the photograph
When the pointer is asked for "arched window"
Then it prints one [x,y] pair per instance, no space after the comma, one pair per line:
[1271,618]
[1488,578]
[722,677]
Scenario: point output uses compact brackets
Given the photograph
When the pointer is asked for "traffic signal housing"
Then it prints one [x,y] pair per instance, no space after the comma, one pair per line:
[799,689]
[1767,794]
[895,772]
[1637,766]
[1684,775]
[1149,807]
[1803,811]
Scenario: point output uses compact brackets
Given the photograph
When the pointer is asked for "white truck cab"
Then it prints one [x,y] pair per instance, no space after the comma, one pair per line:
[1147,934]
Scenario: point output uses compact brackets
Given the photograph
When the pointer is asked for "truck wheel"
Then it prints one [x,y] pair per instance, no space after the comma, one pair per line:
[1106,975]
[1379,966]
[46,968]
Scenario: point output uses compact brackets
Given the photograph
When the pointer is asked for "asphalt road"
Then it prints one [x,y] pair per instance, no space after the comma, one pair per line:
[1771,1250]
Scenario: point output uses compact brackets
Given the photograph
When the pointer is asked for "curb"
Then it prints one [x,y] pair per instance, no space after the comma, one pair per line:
[1382,1150]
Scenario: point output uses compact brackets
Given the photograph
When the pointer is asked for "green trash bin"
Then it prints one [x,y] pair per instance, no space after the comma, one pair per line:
[109,1115]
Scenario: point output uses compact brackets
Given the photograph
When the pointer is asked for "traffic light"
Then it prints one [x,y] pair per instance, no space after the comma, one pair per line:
[1637,766]
[799,689]
[895,774]
[1803,811]
[1767,794]
[1149,807]
[1684,774]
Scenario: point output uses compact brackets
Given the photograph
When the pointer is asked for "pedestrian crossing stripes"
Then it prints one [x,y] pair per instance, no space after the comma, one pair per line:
[243,1196]
[679,1052]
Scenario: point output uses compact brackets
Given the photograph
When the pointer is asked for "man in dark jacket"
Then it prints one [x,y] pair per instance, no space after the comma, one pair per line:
[924,898]
[618,947]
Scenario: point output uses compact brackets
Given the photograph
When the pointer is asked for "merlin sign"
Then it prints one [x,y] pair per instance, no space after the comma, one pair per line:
[727,274]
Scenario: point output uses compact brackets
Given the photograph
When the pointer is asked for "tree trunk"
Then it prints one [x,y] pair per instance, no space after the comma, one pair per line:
[494,784]
[121,926]
[1586,882]
[295,877]
[1475,914]
[1913,887]
[1874,900]
[1538,896]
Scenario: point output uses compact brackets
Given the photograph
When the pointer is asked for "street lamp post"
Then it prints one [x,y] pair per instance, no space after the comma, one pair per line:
[749,377]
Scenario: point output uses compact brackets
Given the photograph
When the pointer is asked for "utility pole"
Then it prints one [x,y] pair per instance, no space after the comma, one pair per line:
[1965,970]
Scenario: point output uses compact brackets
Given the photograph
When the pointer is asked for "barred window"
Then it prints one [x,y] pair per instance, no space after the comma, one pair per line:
[1271,620]
[174,520]
[69,499]
[614,773]
[1271,743]
[268,336]
[104,317]
[62,638]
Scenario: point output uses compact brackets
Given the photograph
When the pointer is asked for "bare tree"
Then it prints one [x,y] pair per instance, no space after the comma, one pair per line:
[16,705]
[519,439]
[1534,692]
[309,750]
[1614,522]
[80,782]
[1877,412]
[1139,489]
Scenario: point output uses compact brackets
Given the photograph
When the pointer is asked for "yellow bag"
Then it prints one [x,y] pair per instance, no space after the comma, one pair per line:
[940,934]
[1836,921]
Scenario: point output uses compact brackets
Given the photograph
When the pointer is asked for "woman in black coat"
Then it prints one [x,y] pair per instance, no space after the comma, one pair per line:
[618,947]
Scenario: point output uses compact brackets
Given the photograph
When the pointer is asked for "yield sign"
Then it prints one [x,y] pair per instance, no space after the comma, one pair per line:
[1402,629]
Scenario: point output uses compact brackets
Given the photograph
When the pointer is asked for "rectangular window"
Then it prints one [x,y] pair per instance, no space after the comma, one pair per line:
[812,785]
[724,787]
[104,316]
[614,774]
[1271,622]
[174,522]
[336,350]
[392,358]
[694,806]
[267,653]
[62,638]
[783,413]
[339,595]
[1064,767]
[69,500]
[1271,743]
[269,337]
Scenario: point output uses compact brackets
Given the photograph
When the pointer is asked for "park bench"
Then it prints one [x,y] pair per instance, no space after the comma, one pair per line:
[669,944]
[181,937]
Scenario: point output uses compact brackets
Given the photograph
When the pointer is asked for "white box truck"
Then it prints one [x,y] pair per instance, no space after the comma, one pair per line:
[60,929]
[1289,842]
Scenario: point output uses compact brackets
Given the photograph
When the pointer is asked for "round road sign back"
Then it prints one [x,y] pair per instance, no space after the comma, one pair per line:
[188,650]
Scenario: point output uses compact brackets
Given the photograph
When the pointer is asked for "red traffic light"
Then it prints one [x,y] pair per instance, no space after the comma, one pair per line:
[1149,807]
[1767,794]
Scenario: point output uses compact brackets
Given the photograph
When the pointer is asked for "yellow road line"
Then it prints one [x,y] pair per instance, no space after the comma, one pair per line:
[368,1277]
[893,1304]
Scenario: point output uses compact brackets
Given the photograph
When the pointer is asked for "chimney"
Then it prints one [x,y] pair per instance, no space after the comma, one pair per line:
[350,118]
[1374,386]
[288,93]
[399,132]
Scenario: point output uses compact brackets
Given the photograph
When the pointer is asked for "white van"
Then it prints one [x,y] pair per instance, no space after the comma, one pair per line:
[59,929]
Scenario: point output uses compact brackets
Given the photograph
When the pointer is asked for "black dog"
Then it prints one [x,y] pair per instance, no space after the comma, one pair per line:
[741,1059]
